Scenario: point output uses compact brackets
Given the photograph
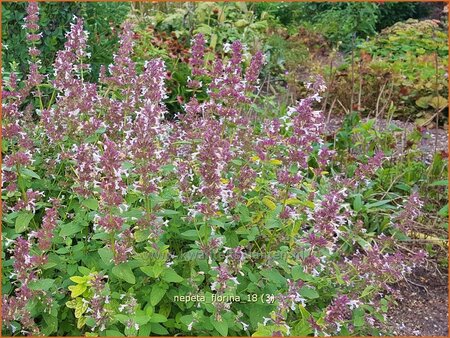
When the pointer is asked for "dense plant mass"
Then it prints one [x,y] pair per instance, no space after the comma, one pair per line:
[121,217]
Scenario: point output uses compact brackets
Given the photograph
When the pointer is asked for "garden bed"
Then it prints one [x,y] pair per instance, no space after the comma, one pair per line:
[422,309]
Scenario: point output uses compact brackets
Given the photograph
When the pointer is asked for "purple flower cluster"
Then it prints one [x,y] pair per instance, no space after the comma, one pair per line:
[14,308]
[405,220]
[97,306]
[49,223]
[196,60]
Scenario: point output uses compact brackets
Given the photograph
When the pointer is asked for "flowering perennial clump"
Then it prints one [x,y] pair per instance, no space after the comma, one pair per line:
[111,209]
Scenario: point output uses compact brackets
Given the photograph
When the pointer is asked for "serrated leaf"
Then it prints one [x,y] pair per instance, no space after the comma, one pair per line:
[423,102]
[309,293]
[438,102]
[170,276]
[90,203]
[157,318]
[106,255]
[152,271]
[22,221]
[190,234]
[158,292]
[221,327]
[159,329]
[269,203]
[81,321]
[297,273]
[77,290]
[41,284]
[79,279]
[123,271]
[70,229]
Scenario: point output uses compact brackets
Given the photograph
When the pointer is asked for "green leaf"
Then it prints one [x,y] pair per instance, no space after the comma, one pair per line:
[439,183]
[70,229]
[158,292]
[123,271]
[41,284]
[170,276]
[357,203]
[84,270]
[241,23]
[368,290]
[157,318]
[51,325]
[159,329]
[144,330]
[190,234]
[90,203]
[167,212]
[274,276]
[30,173]
[263,331]
[444,211]
[377,204]
[423,102]
[309,293]
[297,273]
[114,333]
[91,323]
[152,271]
[22,221]
[221,327]
[106,255]
[358,317]
[141,318]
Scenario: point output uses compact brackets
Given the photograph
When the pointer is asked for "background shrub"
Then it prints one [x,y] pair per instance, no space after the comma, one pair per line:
[102,21]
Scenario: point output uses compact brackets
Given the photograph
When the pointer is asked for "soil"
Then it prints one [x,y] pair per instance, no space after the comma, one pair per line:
[423,311]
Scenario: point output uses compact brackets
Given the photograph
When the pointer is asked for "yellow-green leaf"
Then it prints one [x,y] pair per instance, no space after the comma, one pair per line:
[438,102]
[80,307]
[276,162]
[293,201]
[269,203]
[79,279]
[77,290]
[81,322]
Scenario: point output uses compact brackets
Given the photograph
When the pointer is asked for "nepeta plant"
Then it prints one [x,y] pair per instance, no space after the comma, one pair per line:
[113,213]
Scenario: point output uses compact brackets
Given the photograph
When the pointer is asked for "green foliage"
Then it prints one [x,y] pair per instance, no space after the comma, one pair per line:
[392,12]
[339,21]
[102,21]
[400,72]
